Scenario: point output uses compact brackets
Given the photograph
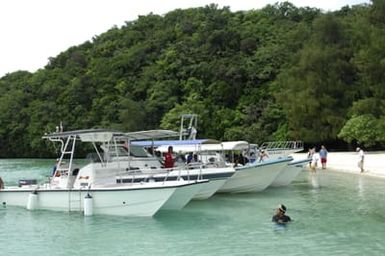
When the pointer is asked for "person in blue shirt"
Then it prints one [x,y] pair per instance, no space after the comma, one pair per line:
[323,153]
[280,217]
[189,157]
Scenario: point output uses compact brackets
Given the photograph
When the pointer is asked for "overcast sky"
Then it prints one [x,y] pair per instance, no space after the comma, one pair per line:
[34,30]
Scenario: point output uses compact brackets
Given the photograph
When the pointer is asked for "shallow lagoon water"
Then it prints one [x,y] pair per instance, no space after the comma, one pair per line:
[334,214]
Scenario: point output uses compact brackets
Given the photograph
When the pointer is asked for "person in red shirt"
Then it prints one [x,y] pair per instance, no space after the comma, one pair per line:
[168,159]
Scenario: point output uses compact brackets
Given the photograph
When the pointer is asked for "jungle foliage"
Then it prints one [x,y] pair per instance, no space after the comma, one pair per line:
[276,73]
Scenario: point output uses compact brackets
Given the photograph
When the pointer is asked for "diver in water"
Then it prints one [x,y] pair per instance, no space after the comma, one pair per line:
[280,217]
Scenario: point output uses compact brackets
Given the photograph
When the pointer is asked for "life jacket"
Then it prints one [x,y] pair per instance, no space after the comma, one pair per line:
[168,160]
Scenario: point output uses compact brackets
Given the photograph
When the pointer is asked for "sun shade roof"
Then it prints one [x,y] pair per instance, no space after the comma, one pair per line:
[105,135]
[197,145]
[151,134]
[157,143]
[89,135]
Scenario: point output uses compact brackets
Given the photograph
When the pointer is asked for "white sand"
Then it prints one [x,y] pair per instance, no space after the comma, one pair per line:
[374,163]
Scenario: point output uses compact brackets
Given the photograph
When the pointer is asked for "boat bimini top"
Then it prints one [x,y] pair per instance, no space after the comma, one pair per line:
[89,135]
[218,146]
[105,135]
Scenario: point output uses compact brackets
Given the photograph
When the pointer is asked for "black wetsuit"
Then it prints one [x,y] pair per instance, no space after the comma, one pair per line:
[281,219]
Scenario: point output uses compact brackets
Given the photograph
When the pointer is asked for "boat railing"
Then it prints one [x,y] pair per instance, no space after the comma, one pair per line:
[146,174]
[282,147]
[168,170]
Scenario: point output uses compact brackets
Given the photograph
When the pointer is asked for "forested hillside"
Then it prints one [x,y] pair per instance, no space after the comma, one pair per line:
[276,73]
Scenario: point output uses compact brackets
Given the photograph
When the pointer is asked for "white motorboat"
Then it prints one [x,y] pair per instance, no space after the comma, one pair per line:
[133,164]
[184,195]
[217,177]
[250,177]
[290,172]
[143,167]
[126,200]
[255,177]
[283,149]
[92,189]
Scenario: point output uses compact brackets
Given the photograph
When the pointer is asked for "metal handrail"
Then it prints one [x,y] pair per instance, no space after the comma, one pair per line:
[282,145]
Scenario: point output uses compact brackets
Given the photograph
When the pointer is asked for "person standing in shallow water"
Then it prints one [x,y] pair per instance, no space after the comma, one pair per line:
[280,217]
[314,160]
[361,156]
[323,153]
[310,156]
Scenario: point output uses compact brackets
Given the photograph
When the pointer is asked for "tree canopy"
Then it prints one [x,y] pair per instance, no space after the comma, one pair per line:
[280,72]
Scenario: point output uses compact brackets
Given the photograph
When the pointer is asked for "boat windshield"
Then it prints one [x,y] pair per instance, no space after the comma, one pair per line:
[138,151]
[121,151]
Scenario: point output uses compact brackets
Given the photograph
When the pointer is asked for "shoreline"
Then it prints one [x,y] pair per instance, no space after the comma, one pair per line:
[374,164]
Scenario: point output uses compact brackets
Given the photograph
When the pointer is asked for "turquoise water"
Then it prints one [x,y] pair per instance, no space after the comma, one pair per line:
[334,214]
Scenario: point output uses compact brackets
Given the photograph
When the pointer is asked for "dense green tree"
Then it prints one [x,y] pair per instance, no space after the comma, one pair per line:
[277,73]
[319,89]
[366,116]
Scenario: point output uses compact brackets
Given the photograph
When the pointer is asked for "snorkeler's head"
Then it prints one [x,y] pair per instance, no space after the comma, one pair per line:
[282,208]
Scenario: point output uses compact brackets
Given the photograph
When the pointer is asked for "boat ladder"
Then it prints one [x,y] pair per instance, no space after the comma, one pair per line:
[74,200]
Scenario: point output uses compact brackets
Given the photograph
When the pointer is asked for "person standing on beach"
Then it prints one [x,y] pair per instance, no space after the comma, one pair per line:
[361,156]
[323,156]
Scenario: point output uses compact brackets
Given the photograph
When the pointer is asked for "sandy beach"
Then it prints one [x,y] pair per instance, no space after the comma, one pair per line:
[374,163]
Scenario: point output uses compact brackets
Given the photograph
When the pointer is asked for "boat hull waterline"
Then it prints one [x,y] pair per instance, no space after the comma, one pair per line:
[183,195]
[217,176]
[289,173]
[255,177]
[137,200]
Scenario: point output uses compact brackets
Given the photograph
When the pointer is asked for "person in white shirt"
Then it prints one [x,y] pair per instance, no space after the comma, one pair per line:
[192,133]
[314,160]
[361,156]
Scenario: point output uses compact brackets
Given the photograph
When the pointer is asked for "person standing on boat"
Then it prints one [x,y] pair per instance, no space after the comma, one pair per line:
[263,155]
[195,162]
[192,133]
[280,217]
[323,156]
[168,158]
[55,167]
[361,156]
[189,157]
[252,157]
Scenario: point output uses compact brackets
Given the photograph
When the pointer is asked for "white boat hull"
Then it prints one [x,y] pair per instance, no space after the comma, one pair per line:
[254,178]
[183,195]
[289,173]
[130,200]
[217,176]
[208,191]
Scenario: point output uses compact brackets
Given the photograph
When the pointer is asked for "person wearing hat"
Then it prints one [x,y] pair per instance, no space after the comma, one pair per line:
[280,217]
